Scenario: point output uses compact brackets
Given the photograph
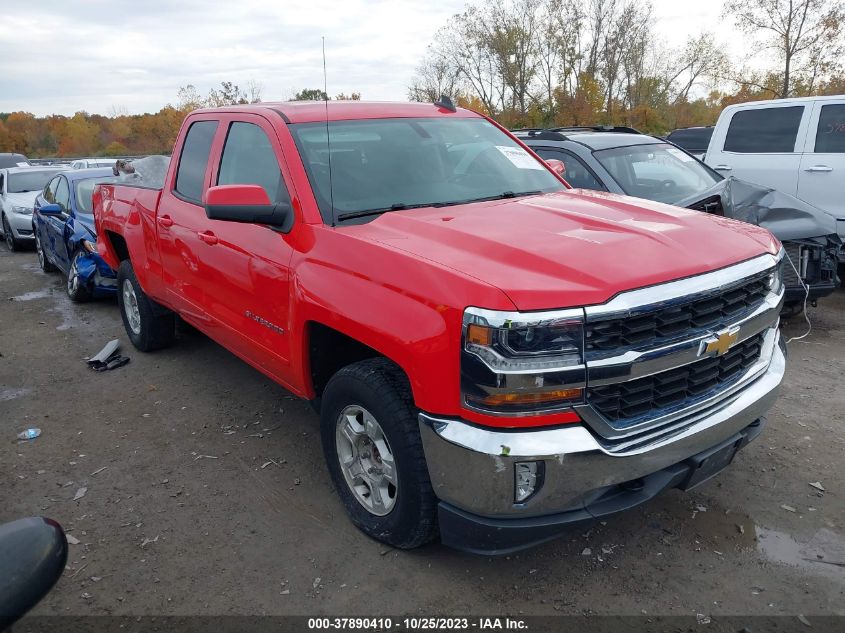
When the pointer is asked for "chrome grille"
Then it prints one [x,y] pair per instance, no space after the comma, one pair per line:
[627,403]
[651,327]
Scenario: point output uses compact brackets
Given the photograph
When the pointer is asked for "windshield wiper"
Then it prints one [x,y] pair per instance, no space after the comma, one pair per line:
[397,206]
[401,206]
[501,196]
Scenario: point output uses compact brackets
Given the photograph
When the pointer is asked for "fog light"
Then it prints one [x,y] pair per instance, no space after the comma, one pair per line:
[528,477]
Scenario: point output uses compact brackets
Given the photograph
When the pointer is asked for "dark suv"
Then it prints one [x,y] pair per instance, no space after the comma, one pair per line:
[621,160]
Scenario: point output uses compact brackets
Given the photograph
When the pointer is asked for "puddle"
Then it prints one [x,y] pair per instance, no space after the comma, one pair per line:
[35,294]
[815,557]
[11,394]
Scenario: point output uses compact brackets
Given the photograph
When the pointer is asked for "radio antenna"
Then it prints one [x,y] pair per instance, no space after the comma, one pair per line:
[328,136]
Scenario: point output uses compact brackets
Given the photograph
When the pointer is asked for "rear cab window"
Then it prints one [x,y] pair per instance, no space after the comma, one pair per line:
[193,161]
[764,130]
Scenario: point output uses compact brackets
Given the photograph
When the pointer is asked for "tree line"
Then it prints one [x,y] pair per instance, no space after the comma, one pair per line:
[542,63]
[122,134]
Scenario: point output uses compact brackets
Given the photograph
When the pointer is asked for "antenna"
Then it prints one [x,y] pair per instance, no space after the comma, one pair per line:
[328,136]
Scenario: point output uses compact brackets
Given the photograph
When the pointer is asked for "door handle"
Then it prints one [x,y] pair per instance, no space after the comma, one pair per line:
[819,168]
[208,237]
[165,221]
[723,167]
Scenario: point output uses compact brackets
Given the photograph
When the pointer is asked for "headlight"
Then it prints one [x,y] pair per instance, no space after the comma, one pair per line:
[22,210]
[522,363]
[775,279]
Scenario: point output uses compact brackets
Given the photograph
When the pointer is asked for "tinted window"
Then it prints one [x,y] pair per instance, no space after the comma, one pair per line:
[190,177]
[764,130]
[248,159]
[2,178]
[577,173]
[692,139]
[63,194]
[830,135]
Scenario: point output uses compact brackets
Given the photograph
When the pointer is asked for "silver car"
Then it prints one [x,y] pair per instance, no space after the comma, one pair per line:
[18,188]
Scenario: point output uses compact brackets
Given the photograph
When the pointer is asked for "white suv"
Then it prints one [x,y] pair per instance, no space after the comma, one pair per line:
[796,146]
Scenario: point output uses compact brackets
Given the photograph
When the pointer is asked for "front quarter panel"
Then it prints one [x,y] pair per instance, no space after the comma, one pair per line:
[407,309]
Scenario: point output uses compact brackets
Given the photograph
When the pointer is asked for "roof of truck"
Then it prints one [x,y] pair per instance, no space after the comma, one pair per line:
[312,111]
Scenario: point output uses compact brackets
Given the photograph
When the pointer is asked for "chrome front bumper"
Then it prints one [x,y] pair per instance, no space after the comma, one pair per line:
[472,468]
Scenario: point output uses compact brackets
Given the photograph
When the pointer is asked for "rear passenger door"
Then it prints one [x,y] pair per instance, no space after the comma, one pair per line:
[821,180]
[180,220]
[762,145]
[246,266]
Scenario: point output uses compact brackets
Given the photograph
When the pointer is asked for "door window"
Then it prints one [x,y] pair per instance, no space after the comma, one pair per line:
[764,130]
[577,173]
[190,177]
[2,180]
[50,190]
[830,135]
[248,159]
[62,194]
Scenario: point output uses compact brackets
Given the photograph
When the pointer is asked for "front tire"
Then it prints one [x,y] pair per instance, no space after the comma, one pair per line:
[373,449]
[76,290]
[148,325]
[46,265]
[11,242]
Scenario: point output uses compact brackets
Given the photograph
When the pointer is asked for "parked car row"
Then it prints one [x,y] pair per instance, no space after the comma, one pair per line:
[621,160]
[50,208]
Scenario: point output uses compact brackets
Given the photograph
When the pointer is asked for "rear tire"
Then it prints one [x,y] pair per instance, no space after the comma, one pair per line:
[46,265]
[11,241]
[374,453]
[149,325]
[77,292]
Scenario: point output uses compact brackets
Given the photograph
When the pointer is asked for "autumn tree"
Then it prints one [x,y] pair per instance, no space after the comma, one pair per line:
[806,35]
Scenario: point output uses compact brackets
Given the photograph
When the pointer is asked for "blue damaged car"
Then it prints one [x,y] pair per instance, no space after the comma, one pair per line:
[65,237]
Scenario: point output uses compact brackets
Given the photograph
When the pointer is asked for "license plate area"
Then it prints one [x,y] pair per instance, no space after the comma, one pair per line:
[709,463]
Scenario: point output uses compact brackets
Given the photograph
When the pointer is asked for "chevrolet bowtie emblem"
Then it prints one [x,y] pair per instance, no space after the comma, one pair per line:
[720,343]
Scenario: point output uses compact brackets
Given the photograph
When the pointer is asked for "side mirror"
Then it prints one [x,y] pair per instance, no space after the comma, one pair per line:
[557,166]
[249,204]
[51,209]
[33,553]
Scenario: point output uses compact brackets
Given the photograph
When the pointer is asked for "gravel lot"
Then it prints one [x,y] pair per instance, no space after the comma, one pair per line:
[206,493]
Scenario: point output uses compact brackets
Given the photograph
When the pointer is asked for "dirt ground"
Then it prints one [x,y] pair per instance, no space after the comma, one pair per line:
[205,492]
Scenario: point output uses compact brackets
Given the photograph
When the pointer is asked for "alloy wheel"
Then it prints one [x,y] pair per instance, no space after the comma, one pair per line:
[130,307]
[366,460]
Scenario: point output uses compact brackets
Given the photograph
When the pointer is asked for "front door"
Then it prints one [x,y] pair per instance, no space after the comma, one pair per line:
[56,225]
[247,277]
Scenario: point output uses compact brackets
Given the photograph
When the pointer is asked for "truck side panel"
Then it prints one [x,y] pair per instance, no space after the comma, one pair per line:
[125,218]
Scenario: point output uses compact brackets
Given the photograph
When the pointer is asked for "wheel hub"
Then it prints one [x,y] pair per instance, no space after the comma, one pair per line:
[130,307]
[366,460]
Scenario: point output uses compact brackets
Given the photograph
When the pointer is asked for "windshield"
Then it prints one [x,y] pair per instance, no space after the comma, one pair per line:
[85,192]
[29,180]
[389,164]
[658,172]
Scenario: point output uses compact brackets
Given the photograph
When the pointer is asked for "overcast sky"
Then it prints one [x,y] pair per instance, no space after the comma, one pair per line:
[101,56]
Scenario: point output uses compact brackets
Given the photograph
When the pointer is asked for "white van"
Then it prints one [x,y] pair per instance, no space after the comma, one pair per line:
[794,145]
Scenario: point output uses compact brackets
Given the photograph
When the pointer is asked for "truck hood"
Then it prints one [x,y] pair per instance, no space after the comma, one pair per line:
[570,248]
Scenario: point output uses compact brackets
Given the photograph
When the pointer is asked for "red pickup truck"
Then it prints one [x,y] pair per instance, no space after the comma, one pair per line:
[494,356]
